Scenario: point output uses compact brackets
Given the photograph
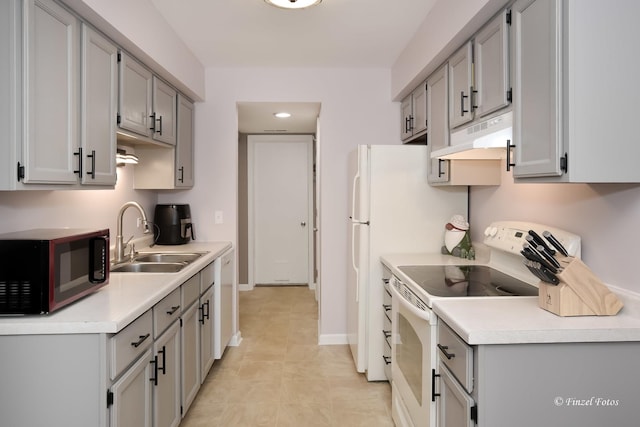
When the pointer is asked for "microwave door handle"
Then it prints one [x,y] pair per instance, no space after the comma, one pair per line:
[103,252]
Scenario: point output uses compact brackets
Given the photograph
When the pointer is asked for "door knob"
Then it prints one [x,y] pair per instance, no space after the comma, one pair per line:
[303,224]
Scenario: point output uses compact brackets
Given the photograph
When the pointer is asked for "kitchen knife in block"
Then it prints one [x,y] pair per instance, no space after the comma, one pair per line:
[579,293]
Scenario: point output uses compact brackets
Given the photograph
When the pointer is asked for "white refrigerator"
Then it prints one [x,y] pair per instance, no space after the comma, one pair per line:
[393,210]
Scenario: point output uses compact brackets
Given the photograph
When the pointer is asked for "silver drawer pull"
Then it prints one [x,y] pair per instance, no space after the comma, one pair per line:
[443,349]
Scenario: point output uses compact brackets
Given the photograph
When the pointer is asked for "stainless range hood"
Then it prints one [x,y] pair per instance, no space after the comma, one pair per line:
[479,141]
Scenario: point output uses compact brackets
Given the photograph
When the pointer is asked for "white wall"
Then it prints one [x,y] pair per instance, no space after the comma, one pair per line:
[605,215]
[23,210]
[356,109]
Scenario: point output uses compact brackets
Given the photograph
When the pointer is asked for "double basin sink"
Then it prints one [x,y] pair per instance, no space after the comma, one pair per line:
[157,262]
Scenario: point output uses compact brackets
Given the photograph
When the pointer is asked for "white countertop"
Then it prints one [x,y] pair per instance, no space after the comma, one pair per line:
[518,320]
[114,306]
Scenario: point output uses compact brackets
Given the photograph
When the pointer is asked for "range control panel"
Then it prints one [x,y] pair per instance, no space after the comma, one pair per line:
[510,236]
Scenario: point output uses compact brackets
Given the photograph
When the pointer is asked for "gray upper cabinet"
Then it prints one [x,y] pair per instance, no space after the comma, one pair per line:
[491,66]
[461,91]
[438,131]
[147,105]
[536,67]
[99,107]
[58,99]
[184,148]
[51,86]
[414,114]
[135,109]
[574,109]
[163,116]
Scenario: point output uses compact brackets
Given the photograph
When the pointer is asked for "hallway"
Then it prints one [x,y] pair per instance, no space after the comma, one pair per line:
[280,377]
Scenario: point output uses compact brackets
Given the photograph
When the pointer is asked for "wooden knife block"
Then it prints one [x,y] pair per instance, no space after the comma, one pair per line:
[579,293]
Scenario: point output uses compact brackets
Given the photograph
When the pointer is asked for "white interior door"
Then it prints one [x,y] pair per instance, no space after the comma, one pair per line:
[280,209]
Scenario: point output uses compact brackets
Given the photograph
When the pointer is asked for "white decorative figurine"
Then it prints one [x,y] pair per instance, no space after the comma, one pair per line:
[457,241]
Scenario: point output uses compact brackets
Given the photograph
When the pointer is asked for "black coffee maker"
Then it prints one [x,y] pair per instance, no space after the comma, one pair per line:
[172,225]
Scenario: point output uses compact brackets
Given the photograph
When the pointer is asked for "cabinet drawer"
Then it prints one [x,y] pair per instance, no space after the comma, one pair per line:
[207,276]
[130,343]
[190,291]
[456,355]
[165,312]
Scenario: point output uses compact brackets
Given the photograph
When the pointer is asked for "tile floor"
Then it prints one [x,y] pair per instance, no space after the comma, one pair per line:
[280,377]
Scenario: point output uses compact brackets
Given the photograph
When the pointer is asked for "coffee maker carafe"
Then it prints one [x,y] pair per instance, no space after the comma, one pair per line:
[172,224]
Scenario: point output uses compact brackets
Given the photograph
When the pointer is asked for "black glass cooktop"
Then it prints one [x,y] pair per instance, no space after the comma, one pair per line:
[466,281]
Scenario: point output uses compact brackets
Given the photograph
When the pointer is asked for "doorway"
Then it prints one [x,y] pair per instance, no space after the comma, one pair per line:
[257,118]
[280,210]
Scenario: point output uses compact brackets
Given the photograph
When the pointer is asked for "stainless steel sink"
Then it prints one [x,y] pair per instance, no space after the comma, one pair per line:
[157,262]
[167,257]
[148,267]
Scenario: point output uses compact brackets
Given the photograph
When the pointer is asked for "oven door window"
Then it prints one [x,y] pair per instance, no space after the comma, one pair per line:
[409,356]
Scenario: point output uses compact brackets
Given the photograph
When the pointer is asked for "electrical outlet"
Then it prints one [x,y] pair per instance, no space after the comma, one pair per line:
[138,222]
[218,217]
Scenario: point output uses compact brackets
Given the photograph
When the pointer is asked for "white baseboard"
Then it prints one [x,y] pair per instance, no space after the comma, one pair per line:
[243,287]
[236,339]
[333,339]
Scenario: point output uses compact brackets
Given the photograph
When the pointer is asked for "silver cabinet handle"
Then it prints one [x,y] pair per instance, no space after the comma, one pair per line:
[303,224]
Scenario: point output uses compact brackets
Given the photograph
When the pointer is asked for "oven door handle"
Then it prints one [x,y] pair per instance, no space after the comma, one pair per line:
[424,315]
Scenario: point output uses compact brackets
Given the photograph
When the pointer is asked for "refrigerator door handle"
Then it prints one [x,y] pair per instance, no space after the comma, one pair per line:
[356,178]
[353,259]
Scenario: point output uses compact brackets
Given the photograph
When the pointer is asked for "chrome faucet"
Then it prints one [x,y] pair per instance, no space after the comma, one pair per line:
[119,241]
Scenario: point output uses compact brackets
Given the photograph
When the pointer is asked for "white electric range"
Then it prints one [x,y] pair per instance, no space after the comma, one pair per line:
[498,272]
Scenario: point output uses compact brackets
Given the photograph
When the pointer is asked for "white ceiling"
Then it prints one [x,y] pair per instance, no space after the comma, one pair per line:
[333,34]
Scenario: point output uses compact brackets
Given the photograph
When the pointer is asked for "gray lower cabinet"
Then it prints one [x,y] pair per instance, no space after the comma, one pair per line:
[146,375]
[166,378]
[206,333]
[132,396]
[536,384]
[190,361]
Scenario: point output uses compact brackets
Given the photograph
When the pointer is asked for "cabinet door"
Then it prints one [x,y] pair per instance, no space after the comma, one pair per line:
[405,117]
[206,333]
[454,407]
[164,112]
[419,98]
[134,96]
[166,392]
[184,144]
[190,343]
[51,93]
[438,130]
[460,86]
[99,108]
[491,63]
[536,41]
[132,396]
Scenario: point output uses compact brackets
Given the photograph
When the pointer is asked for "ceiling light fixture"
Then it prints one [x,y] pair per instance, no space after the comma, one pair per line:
[282,115]
[293,4]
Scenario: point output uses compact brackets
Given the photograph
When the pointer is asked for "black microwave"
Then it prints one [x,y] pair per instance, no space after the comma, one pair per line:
[43,270]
